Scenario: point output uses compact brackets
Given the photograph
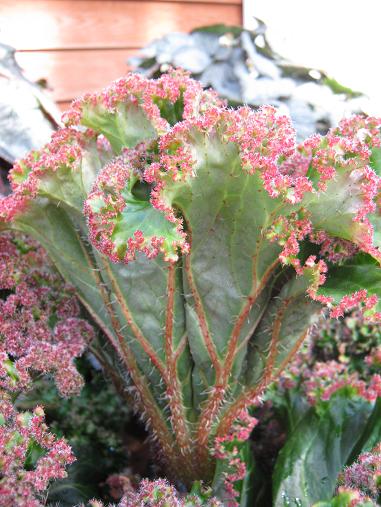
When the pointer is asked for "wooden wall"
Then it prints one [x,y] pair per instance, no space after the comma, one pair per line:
[82,45]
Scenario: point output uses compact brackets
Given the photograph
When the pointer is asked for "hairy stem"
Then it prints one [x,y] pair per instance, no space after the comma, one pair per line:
[152,414]
[144,343]
[217,395]
[248,396]
[209,344]
[175,401]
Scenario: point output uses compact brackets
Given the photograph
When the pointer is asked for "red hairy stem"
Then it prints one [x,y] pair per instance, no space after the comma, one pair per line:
[217,395]
[251,300]
[21,485]
[176,461]
[211,348]
[117,382]
[218,391]
[246,398]
[178,418]
[152,414]
[144,343]
[180,348]
[207,420]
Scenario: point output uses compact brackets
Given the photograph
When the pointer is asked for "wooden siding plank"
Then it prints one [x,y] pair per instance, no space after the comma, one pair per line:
[65,24]
[64,106]
[70,74]
[232,2]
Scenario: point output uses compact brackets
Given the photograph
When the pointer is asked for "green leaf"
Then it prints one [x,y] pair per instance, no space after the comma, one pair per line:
[371,435]
[358,273]
[375,160]
[308,465]
[334,210]
[226,211]
[127,126]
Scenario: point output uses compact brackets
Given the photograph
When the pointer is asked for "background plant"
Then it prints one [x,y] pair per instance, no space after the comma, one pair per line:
[243,68]
[317,420]
[40,332]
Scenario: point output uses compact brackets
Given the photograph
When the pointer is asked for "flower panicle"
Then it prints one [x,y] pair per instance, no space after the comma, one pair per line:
[37,297]
[19,432]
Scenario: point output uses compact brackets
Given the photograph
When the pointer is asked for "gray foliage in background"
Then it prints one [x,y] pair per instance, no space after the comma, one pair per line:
[27,116]
[241,66]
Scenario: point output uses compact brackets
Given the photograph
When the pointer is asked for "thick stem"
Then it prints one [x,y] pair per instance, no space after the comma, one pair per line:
[116,380]
[178,418]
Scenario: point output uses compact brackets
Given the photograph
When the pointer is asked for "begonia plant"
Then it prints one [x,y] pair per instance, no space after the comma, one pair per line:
[204,243]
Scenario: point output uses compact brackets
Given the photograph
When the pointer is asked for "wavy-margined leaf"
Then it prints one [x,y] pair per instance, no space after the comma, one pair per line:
[359,273]
[135,226]
[333,211]
[226,211]
[320,445]
[125,127]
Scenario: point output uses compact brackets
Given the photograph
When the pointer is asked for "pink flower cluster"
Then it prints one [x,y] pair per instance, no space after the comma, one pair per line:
[40,327]
[160,493]
[265,139]
[147,94]
[374,358]
[353,301]
[322,380]
[40,331]
[19,433]
[228,449]
[364,476]
[335,250]
[288,232]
